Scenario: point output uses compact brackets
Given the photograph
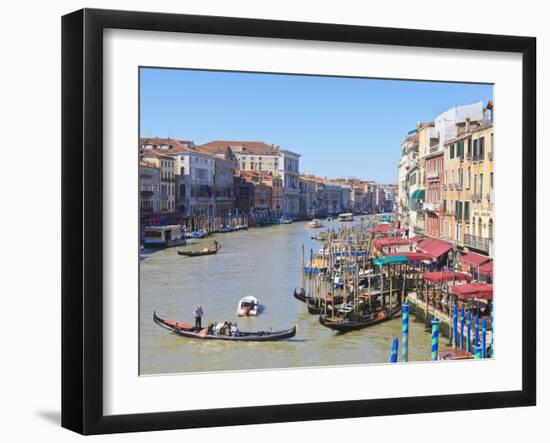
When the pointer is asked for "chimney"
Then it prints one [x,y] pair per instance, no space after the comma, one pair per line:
[467,124]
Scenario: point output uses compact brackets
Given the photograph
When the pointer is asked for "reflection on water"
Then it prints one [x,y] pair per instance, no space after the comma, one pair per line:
[264,262]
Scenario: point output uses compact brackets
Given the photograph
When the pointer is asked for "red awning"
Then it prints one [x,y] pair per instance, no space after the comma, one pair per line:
[390,241]
[417,239]
[445,276]
[486,269]
[411,255]
[473,259]
[473,290]
[436,248]
[380,228]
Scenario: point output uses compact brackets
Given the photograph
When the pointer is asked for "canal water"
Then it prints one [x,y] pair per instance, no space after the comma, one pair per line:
[264,262]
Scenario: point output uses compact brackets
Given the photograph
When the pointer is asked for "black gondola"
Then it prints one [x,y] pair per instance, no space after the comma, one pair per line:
[186,330]
[300,294]
[200,252]
[353,324]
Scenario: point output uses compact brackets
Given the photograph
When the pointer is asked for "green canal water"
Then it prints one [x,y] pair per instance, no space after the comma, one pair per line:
[266,263]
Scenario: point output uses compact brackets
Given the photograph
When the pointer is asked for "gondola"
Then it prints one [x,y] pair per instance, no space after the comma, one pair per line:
[200,252]
[187,330]
[345,325]
[300,294]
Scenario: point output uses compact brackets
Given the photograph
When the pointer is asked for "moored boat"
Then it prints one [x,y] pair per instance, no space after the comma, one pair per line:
[163,236]
[300,294]
[189,331]
[353,324]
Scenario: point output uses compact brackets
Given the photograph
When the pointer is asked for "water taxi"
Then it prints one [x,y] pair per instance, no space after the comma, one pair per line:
[346,217]
[163,236]
[314,224]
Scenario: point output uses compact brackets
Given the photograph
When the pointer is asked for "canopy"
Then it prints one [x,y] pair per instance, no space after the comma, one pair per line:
[394,260]
[390,241]
[386,219]
[445,276]
[419,194]
[417,239]
[486,269]
[433,247]
[473,290]
[411,255]
[381,227]
[473,259]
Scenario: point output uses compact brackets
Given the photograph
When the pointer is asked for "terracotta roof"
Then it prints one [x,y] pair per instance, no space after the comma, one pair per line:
[156,154]
[244,147]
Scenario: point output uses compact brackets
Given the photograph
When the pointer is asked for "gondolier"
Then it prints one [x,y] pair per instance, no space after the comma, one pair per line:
[198,313]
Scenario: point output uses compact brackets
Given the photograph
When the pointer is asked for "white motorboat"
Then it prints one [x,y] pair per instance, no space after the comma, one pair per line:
[347,217]
[248,306]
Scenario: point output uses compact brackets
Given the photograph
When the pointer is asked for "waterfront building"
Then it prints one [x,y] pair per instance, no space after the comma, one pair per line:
[149,190]
[468,183]
[254,156]
[407,163]
[309,197]
[165,164]
[431,157]
[370,196]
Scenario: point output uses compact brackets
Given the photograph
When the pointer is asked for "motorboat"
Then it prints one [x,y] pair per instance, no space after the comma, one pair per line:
[248,306]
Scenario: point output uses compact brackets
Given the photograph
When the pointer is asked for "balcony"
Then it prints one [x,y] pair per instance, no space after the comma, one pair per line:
[431,207]
[451,186]
[476,197]
[479,243]
[444,186]
[490,156]
[432,175]
[458,187]
[147,190]
[490,197]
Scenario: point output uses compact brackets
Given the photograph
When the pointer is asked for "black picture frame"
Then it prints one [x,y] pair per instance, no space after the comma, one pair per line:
[82,215]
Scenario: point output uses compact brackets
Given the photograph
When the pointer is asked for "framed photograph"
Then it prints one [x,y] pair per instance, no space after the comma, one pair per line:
[268,221]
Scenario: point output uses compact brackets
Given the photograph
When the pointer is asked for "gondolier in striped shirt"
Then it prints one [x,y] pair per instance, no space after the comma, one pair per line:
[198,313]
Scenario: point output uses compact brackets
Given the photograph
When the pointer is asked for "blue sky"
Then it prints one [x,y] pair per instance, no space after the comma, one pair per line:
[342,127]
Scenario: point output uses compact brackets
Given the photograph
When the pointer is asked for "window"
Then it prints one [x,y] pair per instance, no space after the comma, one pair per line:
[469,177]
[475,149]
[467,211]
[481,148]
[491,180]
[481,185]
[469,147]
[460,149]
[452,151]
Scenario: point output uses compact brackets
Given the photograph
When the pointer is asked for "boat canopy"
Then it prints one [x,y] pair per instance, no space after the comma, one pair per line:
[390,241]
[473,259]
[386,219]
[473,290]
[445,276]
[393,260]
[433,247]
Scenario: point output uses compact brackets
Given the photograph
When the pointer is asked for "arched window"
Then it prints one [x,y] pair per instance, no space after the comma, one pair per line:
[490,233]
[480,228]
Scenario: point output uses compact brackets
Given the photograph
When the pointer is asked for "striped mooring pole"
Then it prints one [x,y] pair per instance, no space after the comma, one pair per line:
[476,330]
[469,332]
[435,338]
[477,351]
[394,347]
[461,340]
[484,338]
[405,331]
[492,329]
[455,326]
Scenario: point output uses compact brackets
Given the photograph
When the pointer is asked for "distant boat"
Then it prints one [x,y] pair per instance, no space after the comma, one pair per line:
[198,253]
[346,217]
[314,224]
[285,221]
[199,233]
[248,306]
[163,236]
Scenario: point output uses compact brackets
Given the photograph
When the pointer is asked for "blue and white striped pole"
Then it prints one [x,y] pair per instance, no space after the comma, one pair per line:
[469,332]
[484,338]
[455,326]
[476,331]
[405,331]
[492,329]
[435,338]
[461,341]
[394,347]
